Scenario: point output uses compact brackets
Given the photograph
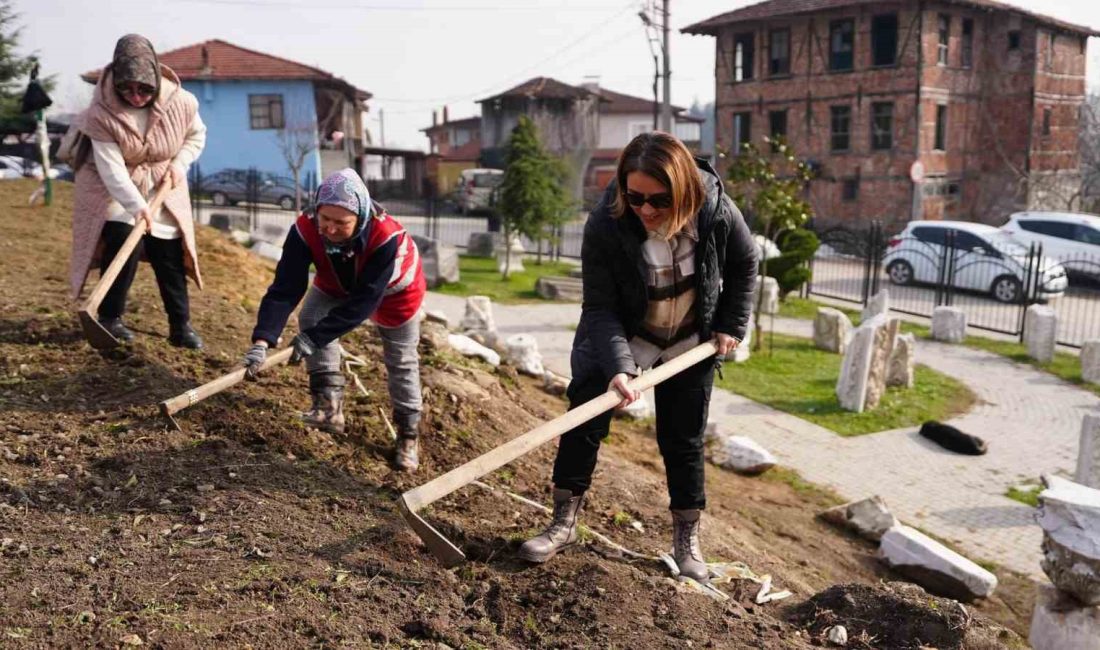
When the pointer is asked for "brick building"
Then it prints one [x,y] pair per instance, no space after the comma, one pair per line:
[984,96]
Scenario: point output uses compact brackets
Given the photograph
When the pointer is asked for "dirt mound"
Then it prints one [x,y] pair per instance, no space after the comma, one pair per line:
[899,615]
[246,529]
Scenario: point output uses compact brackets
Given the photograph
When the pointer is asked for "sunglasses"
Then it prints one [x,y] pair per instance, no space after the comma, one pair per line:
[659,201]
[134,88]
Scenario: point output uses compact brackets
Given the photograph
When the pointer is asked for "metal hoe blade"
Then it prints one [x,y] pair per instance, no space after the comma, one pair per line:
[97,335]
[447,553]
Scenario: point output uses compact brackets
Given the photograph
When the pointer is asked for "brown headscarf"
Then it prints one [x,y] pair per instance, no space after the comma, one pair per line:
[136,60]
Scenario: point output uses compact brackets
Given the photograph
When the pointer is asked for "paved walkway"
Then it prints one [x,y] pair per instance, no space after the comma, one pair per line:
[1030,419]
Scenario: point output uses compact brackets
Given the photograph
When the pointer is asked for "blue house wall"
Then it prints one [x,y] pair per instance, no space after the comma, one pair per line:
[231,142]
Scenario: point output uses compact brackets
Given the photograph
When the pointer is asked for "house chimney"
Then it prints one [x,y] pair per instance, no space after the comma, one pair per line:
[435,118]
[205,71]
[445,119]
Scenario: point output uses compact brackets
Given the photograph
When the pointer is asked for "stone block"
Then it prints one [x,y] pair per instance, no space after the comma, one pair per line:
[1090,361]
[933,566]
[439,261]
[553,287]
[862,379]
[832,328]
[482,244]
[522,351]
[471,348]
[877,304]
[949,324]
[436,316]
[267,250]
[1069,514]
[478,316]
[433,335]
[868,518]
[742,454]
[1060,623]
[1088,452]
[511,257]
[229,222]
[554,383]
[900,368]
[1040,332]
[770,301]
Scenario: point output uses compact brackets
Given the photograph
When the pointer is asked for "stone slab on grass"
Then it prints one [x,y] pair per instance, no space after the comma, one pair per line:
[934,566]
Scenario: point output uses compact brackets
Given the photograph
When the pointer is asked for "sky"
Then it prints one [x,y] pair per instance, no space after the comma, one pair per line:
[416,56]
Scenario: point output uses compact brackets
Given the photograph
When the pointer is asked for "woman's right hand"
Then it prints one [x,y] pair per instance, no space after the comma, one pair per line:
[619,384]
[144,218]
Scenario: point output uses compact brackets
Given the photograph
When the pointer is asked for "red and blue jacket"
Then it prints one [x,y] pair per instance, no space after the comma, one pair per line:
[382,281]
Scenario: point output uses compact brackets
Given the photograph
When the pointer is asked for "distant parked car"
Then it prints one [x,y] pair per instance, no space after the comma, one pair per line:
[476,189]
[64,172]
[230,186]
[986,259]
[1073,238]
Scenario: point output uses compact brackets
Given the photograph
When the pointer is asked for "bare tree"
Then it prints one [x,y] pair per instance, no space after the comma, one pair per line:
[296,141]
[1090,154]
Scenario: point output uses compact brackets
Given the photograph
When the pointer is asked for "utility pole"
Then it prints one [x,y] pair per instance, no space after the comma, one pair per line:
[381,128]
[666,106]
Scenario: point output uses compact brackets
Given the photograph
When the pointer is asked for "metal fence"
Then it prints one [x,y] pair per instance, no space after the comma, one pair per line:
[243,200]
[992,280]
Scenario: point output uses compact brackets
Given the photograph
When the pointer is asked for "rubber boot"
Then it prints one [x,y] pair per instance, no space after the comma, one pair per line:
[562,531]
[327,412]
[685,545]
[406,453]
[118,329]
[184,336]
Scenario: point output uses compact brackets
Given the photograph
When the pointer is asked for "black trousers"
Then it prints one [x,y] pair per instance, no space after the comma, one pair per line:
[682,403]
[166,256]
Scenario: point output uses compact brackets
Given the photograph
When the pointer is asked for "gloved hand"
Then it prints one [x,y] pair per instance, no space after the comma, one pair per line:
[303,347]
[255,358]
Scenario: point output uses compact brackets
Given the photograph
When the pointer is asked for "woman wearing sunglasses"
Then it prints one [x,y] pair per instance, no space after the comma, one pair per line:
[143,128]
[668,262]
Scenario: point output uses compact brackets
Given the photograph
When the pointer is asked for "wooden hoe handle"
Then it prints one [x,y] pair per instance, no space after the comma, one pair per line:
[176,404]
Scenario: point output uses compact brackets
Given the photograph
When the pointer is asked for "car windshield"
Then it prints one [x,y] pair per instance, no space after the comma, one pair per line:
[1005,243]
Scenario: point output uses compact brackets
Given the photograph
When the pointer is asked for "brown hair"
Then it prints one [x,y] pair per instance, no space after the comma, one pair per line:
[668,161]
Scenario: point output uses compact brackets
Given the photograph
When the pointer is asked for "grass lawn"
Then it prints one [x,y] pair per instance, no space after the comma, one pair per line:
[479,277]
[1028,497]
[799,379]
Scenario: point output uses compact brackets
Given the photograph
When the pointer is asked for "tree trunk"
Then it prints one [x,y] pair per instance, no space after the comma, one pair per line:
[507,251]
[297,189]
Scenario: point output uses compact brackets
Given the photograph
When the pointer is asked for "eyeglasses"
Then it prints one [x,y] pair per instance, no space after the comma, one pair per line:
[659,201]
[135,88]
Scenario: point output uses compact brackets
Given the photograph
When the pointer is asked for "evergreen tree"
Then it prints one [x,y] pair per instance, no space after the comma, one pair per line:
[14,69]
[769,188]
[532,195]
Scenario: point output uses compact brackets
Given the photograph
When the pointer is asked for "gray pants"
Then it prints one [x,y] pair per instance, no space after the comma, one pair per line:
[399,353]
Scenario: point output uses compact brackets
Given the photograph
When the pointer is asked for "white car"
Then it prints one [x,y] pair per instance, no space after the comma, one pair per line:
[476,189]
[1073,238]
[986,259]
[16,167]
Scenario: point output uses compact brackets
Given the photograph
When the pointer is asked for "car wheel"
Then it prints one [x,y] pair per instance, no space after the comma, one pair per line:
[1006,289]
[900,272]
[286,202]
[219,199]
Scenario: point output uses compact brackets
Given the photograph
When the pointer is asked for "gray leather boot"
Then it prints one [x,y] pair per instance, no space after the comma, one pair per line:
[327,412]
[406,453]
[685,545]
[562,531]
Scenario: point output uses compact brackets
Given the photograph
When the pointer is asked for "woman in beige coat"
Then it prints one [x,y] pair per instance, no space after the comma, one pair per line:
[143,127]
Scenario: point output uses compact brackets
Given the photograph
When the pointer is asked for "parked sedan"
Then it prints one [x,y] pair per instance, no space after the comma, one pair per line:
[985,260]
[1071,237]
[230,186]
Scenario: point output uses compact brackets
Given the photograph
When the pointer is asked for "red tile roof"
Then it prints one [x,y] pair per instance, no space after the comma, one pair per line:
[775,8]
[544,88]
[466,122]
[620,103]
[218,60]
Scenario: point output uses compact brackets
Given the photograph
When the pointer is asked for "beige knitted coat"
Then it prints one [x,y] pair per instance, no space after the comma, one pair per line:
[147,155]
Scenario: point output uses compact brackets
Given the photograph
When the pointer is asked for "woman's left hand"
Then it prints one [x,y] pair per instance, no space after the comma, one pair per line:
[725,343]
[175,176]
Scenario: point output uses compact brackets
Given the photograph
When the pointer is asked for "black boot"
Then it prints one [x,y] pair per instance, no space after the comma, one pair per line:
[183,336]
[117,329]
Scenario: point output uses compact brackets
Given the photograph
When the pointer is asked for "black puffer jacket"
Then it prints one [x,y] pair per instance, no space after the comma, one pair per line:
[614,279]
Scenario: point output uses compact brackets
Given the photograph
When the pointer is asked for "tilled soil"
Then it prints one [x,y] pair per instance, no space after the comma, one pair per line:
[247,530]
